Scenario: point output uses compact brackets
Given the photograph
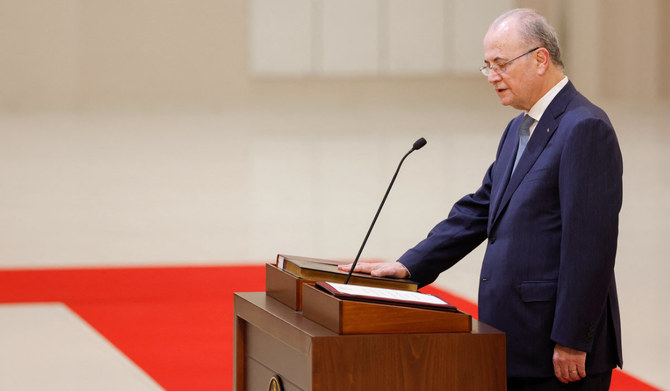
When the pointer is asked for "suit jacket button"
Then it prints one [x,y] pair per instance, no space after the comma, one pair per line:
[492,239]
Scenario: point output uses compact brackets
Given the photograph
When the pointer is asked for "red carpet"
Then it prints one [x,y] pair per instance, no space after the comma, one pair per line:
[176,323]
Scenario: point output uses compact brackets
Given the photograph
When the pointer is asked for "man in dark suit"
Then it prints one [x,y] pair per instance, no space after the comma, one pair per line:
[549,207]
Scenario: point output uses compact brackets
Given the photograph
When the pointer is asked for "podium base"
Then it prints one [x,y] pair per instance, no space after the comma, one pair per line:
[273,340]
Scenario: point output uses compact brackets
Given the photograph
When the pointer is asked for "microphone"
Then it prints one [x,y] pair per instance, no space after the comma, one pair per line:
[418,144]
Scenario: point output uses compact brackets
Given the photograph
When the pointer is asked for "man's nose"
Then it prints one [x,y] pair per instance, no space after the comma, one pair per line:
[493,76]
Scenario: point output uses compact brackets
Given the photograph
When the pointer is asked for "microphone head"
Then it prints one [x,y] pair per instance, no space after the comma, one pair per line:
[418,144]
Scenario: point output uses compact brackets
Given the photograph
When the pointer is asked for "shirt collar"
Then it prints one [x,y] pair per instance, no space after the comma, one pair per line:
[541,105]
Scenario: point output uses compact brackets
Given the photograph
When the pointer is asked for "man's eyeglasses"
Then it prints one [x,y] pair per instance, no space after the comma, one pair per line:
[500,68]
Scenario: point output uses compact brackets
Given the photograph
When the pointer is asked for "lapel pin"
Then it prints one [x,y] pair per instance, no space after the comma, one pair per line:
[547,130]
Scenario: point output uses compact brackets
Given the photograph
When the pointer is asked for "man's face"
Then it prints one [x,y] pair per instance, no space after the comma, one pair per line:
[514,85]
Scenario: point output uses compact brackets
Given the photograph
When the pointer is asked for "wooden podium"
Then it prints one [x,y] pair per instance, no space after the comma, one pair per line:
[273,340]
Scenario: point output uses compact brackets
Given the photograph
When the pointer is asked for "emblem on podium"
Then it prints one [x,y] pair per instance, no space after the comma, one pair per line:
[275,384]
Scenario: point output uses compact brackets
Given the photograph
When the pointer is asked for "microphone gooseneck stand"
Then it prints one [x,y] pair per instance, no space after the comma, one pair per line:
[418,144]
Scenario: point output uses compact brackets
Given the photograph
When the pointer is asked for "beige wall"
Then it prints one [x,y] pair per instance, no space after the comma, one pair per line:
[101,55]
[613,48]
[131,133]
[130,54]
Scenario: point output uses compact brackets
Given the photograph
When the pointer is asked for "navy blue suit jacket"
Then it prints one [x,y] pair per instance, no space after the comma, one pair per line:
[552,225]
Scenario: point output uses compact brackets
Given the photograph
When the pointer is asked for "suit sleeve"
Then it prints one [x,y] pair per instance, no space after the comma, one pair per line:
[452,239]
[590,192]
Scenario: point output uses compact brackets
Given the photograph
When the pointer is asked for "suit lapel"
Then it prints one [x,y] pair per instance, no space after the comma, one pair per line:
[538,141]
[506,160]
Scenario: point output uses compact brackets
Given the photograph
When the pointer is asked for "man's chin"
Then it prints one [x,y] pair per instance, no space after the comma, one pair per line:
[505,102]
[504,97]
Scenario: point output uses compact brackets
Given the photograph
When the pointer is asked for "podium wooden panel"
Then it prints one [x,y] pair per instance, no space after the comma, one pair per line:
[273,339]
[355,317]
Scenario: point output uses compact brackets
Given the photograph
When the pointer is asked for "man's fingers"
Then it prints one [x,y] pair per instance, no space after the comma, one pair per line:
[361,267]
[569,364]
[378,269]
[573,374]
[560,374]
[364,267]
[581,370]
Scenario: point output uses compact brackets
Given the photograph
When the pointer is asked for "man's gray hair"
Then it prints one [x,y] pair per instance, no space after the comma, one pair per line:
[535,31]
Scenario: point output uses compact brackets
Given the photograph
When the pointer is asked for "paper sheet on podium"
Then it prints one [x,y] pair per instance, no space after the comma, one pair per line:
[385,296]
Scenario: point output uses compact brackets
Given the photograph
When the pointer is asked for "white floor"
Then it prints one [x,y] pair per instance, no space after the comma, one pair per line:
[48,347]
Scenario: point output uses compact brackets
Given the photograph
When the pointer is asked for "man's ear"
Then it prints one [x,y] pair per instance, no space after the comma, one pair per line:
[542,60]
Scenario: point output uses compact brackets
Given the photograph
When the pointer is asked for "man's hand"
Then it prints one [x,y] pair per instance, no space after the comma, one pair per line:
[569,364]
[379,269]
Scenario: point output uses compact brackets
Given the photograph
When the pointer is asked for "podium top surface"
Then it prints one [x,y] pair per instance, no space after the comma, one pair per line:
[279,319]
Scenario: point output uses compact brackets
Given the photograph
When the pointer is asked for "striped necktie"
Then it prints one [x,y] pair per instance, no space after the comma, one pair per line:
[524,135]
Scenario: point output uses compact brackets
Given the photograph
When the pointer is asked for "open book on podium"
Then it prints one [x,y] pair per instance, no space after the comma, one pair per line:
[285,278]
